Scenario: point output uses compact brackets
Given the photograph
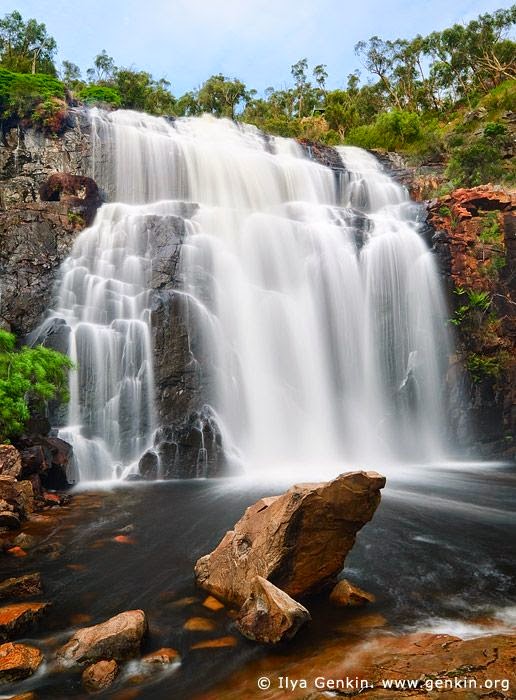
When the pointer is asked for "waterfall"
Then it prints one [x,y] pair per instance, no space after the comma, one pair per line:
[317,300]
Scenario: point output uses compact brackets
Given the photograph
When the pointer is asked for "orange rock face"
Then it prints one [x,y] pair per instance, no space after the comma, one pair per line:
[346,594]
[18,617]
[99,676]
[18,661]
[118,638]
[269,615]
[298,541]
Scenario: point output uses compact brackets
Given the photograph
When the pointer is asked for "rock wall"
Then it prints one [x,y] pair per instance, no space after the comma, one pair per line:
[36,235]
[475,240]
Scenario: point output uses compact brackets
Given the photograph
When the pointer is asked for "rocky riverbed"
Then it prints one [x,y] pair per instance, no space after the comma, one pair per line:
[437,556]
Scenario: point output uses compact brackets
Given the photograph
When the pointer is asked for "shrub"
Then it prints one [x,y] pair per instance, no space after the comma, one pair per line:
[99,94]
[28,376]
[482,366]
[50,115]
[475,164]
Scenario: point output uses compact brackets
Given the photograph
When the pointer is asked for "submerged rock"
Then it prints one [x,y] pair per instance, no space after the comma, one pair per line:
[269,615]
[161,657]
[118,638]
[21,586]
[99,676]
[298,541]
[18,661]
[18,617]
[346,594]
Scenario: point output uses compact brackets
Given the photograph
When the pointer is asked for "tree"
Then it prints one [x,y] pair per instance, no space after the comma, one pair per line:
[70,74]
[28,376]
[104,69]
[221,96]
[138,90]
[26,47]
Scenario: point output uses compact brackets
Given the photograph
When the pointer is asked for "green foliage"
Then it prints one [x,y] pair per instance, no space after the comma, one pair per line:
[28,376]
[21,93]
[476,163]
[491,231]
[494,129]
[482,366]
[475,303]
[99,95]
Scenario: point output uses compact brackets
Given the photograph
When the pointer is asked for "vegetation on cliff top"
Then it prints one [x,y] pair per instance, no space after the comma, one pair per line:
[446,97]
[28,377]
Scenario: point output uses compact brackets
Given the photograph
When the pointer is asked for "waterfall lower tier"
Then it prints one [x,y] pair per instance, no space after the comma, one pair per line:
[316,305]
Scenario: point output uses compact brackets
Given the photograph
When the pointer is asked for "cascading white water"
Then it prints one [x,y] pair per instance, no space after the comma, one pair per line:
[317,299]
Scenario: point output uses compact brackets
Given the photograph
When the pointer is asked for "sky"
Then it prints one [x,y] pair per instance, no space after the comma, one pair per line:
[257,41]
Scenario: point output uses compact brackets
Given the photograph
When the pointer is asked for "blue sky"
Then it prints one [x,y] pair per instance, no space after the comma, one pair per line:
[257,41]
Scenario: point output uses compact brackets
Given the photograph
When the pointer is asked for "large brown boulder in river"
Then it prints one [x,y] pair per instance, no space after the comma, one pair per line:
[269,615]
[118,638]
[298,541]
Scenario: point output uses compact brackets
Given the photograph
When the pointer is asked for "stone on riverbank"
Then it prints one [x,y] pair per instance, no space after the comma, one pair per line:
[18,617]
[21,586]
[99,676]
[346,594]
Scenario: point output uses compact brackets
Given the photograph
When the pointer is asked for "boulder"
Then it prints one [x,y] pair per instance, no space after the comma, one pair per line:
[9,519]
[269,615]
[18,494]
[18,661]
[10,461]
[99,676]
[21,587]
[345,594]
[118,638]
[76,191]
[298,541]
[18,617]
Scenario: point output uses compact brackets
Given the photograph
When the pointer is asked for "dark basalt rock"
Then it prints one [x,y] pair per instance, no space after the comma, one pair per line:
[80,193]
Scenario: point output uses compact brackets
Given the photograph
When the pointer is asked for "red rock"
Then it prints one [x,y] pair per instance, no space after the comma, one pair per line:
[124,539]
[18,661]
[118,638]
[18,617]
[219,643]
[99,676]
[269,615]
[346,594]
[161,657]
[199,624]
[17,552]
[298,540]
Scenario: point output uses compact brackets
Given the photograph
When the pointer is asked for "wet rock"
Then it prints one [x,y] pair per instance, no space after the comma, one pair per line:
[9,520]
[269,615]
[18,494]
[18,617]
[18,661]
[298,541]
[219,643]
[25,541]
[345,594]
[99,676]
[21,587]
[10,461]
[118,638]
[199,624]
[148,465]
[80,193]
[161,657]
[212,603]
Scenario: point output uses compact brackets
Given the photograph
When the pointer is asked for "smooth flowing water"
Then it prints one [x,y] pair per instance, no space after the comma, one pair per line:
[315,295]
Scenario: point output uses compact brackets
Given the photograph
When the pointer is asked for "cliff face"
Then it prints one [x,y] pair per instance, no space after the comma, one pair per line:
[36,235]
[475,240]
